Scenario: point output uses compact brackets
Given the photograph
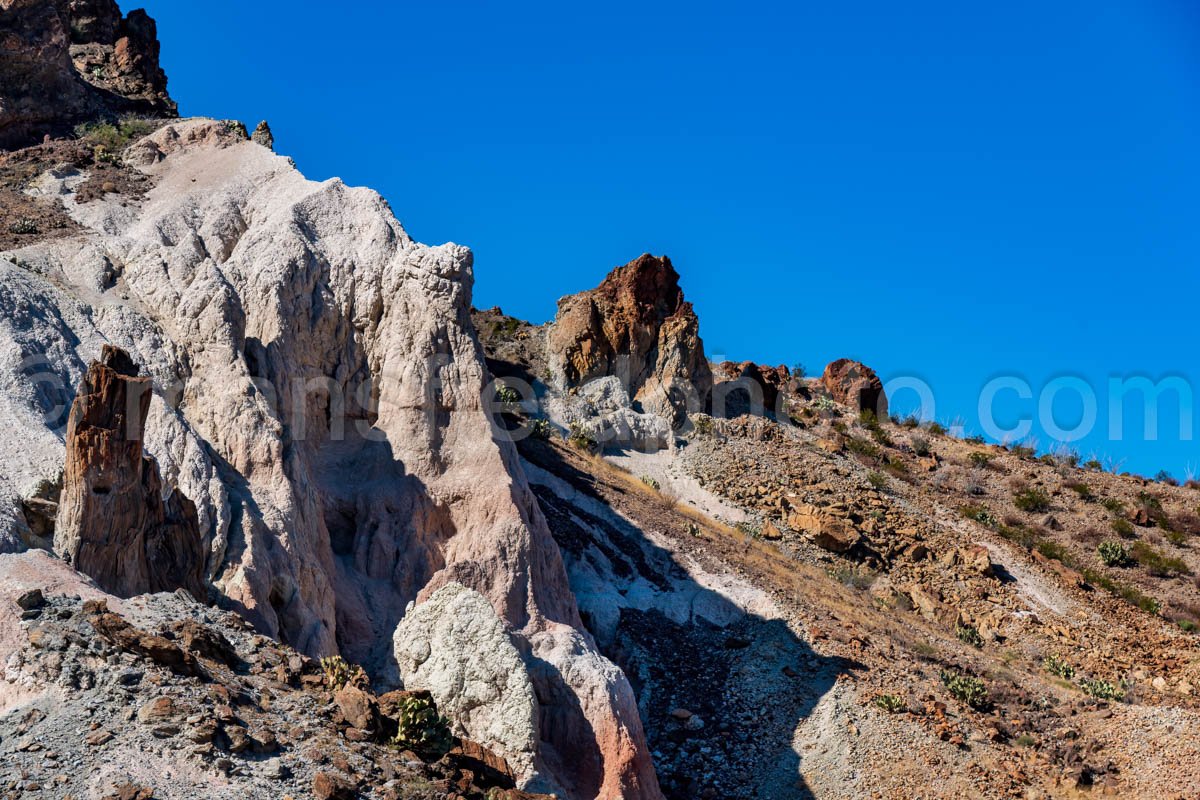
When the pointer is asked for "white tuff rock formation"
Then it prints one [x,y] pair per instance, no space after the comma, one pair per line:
[455,647]
[318,399]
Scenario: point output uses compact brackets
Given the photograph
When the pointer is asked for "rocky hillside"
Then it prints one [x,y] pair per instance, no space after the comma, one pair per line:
[281,515]
[813,600]
[73,61]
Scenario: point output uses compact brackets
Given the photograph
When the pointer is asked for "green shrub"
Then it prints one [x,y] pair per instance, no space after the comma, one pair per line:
[651,482]
[508,396]
[541,429]
[936,428]
[1052,549]
[1127,593]
[1033,501]
[1113,504]
[920,445]
[421,728]
[1093,464]
[1122,527]
[980,459]
[1102,690]
[1022,450]
[965,689]
[877,480]
[1113,554]
[1056,666]
[1083,490]
[968,634]
[23,226]
[975,439]
[892,704]
[704,425]
[1158,563]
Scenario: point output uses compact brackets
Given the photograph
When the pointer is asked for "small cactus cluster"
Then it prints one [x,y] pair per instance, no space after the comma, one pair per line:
[421,728]
[338,673]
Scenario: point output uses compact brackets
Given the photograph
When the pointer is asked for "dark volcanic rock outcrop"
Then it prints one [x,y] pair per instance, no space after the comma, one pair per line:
[63,62]
[856,385]
[637,326]
[115,522]
[770,383]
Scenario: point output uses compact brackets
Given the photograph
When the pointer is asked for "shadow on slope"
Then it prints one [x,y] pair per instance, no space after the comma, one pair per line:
[721,690]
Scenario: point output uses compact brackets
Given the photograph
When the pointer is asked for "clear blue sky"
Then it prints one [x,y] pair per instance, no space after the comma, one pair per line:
[943,189]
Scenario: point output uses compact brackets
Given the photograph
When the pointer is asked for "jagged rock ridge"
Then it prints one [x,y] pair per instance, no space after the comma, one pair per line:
[115,523]
[63,62]
[319,402]
[636,326]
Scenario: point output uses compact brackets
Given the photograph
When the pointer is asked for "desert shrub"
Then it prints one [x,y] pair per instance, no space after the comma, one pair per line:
[892,704]
[541,429]
[968,634]
[877,480]
[967,690]
[1165,477]
[1067,458]
[1113,504]
[975,439]
[651,482]
[974,483]
[1157,562]
[1093,464]
[1089,536]
[1022,450]
[1113,554]
[1025,740]
[581,436]
[920,444]
[1122,527]
[859,578]
[911,421]
[1052,549]
[1033,501]
[749,529]
[338,672]
[936,428]
[507,396]
[1192,483]
[980,459]
[421,729]
[23,226]
[1057,666]
[863,449]
[1083,490]
[799,370]
[978,513]
[1129,594]
[1102,690]
[1177,538]
[704,425]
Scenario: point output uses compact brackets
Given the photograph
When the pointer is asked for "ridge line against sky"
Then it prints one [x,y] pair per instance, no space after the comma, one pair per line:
[946,192]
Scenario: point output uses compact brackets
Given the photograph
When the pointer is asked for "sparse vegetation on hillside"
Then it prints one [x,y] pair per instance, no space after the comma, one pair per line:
[1033,501]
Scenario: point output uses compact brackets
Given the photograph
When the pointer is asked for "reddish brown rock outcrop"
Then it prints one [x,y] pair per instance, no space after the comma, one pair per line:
[637,326]
[856,385]
[63,62]
[771,381]
[115,522]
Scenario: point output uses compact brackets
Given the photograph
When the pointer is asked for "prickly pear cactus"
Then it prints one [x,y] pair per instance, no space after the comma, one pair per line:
[421,728]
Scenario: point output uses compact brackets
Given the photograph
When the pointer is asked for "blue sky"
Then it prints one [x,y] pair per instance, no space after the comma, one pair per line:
[947,190]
